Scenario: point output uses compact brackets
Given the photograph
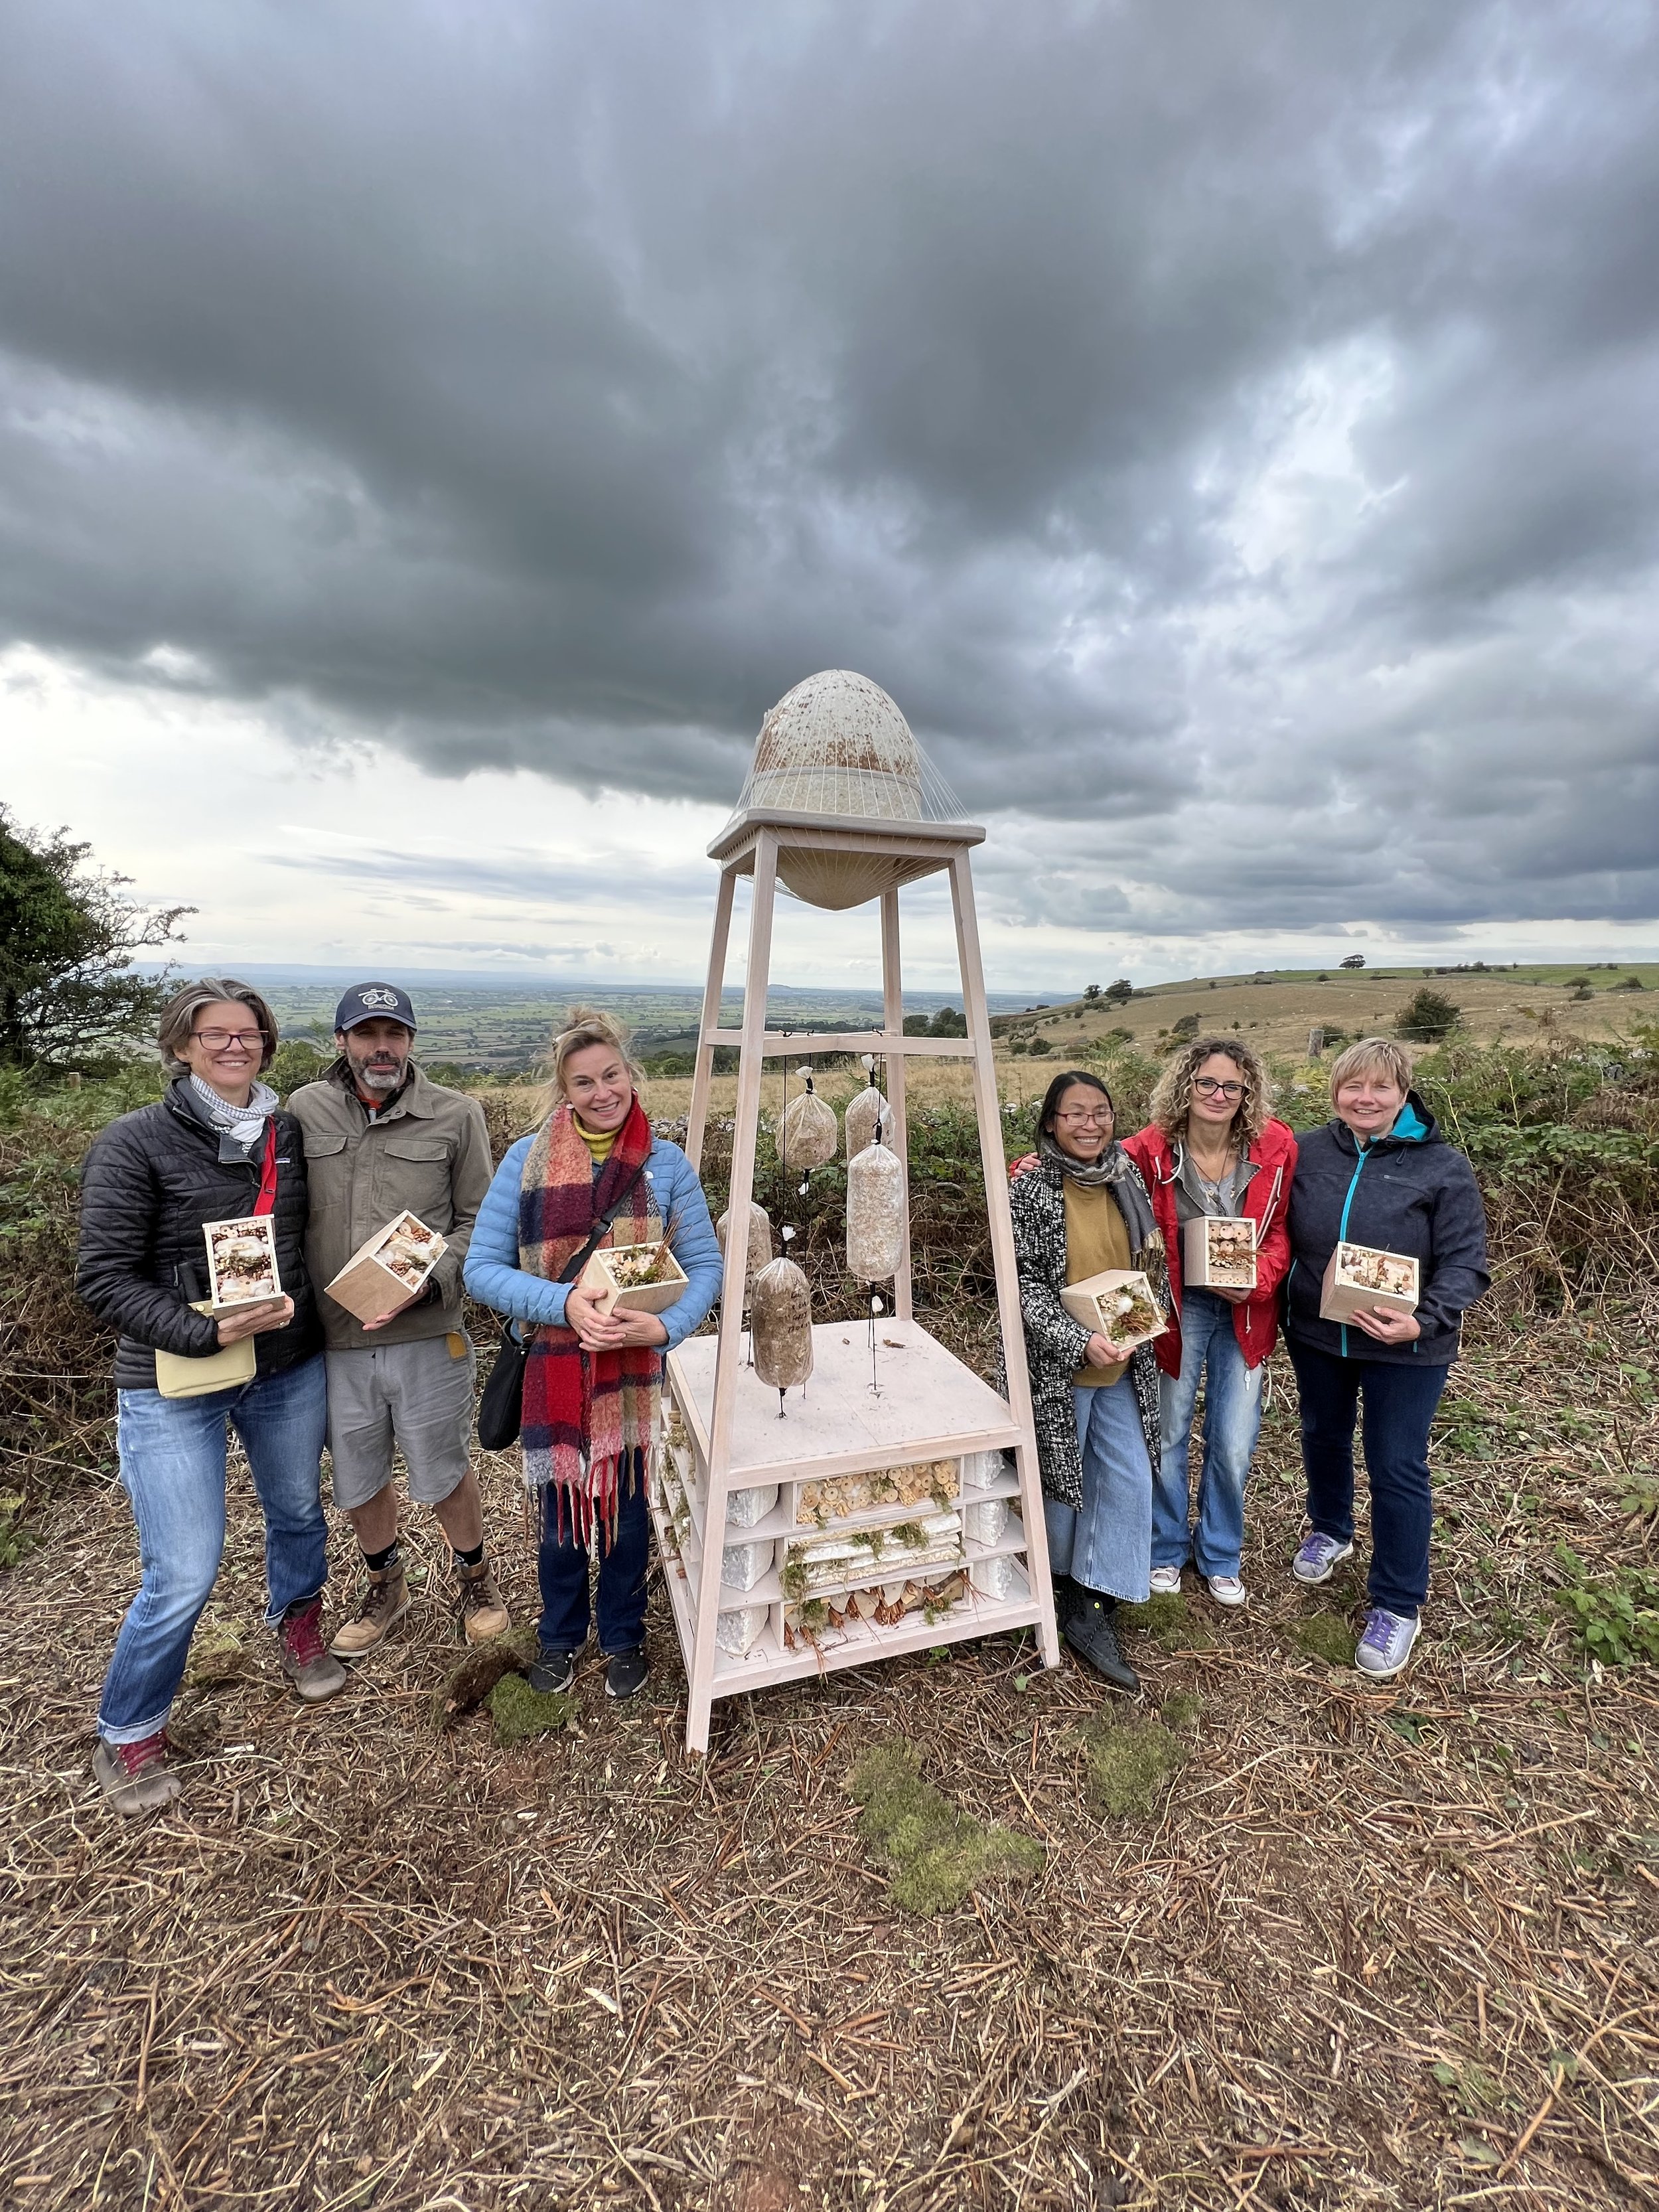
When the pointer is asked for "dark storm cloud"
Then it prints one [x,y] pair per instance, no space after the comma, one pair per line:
[1225,428]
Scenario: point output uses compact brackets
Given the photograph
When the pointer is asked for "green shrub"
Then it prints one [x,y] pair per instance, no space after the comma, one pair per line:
[1427,1017]
[1615,1618]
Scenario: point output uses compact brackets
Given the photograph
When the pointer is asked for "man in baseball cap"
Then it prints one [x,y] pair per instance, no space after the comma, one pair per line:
[381,1139]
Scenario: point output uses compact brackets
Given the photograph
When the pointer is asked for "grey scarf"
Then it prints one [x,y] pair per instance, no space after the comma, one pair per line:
[245,1125]
[1114,1170]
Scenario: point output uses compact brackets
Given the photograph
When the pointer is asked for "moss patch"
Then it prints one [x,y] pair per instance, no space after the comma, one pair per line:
[1130,1766]
[216,1655]
[936,1852]
[1165,1620]
[519,1712]
[1182,1709]
[1328,1637]
[471,1681]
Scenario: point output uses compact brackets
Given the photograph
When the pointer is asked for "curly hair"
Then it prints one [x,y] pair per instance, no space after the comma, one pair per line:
[1173,1095]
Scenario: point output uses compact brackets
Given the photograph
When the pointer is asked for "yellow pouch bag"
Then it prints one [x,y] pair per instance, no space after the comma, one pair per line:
[219,1370]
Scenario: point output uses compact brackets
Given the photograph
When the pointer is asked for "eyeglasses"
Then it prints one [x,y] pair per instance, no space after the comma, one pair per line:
[1208,1087]
[1084,1120]
[216,1040]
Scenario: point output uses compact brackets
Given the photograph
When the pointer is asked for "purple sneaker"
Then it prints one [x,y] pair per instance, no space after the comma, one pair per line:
[1319,1559]
[1386,1644]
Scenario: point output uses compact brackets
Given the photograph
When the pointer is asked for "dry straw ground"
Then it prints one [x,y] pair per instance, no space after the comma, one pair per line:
[1390,1947]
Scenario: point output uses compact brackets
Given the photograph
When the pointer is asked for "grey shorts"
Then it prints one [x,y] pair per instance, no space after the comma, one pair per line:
[416,1398]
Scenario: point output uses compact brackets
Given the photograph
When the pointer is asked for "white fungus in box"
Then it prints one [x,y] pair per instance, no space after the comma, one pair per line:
[1217,1252]
[1119,1303]
[1359,1275]
[388,1268]
[242,1258]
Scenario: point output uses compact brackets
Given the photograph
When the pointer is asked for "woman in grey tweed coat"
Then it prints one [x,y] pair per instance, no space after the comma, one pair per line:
[1080,1207]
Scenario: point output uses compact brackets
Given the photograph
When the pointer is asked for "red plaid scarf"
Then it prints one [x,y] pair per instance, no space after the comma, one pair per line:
[587,1416]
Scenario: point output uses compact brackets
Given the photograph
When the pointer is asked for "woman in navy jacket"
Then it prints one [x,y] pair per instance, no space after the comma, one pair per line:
[1378,1173]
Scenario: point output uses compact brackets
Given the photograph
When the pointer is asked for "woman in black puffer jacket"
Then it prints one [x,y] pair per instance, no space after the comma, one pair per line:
[216,1148]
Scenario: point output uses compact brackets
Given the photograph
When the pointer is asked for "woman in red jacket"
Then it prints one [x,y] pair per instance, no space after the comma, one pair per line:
[1211,1148]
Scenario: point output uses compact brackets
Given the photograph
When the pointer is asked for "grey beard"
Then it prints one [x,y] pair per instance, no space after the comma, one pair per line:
[378,1079]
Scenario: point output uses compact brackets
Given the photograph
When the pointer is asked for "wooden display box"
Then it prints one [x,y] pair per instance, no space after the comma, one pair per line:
[1098,1302]
[388,1269]
[607,1273]
[1217,1252]
[242,1258]
[1359,1275]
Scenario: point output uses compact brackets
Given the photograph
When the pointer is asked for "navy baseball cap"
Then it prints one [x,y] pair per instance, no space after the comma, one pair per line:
[374,1002]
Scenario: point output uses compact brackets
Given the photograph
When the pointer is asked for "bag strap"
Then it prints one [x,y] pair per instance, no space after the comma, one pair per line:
[574,1266]
[266,1201]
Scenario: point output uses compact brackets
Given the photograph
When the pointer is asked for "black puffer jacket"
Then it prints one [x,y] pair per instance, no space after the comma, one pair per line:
[150,1181]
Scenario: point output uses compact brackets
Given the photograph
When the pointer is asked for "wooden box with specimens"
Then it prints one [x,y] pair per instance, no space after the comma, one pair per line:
[1359,1275]
[638,1278]
[242,1258]
[388,1268]
[1118,1303]
[1218,1251]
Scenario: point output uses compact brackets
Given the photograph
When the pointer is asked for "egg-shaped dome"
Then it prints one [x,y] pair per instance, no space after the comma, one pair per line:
[837,745]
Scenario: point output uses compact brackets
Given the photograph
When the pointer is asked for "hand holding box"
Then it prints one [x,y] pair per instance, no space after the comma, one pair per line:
[1118,1305]
[1363,1276]
[388,1270]
[242,1258]
[637,1277]
[1217,1252]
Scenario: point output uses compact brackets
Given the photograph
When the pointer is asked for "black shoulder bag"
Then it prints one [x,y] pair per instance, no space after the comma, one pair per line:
[500,1408]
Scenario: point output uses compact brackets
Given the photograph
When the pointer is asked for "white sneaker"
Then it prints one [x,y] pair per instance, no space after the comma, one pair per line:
[1166,1581]
[1226,1589]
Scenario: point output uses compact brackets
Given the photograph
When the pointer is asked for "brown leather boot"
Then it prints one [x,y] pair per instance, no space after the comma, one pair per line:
[482,1612]
[385,1601]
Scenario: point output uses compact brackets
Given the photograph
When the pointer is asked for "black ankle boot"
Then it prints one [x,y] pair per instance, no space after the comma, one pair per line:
[1091,1632]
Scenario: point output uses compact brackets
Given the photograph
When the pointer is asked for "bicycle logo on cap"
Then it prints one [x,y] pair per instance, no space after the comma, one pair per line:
[379,998]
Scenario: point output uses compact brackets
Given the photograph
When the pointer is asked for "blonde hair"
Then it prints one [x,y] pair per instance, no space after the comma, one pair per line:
[178,1022]
[585,1026]
[1172,1095]
[1371,1056]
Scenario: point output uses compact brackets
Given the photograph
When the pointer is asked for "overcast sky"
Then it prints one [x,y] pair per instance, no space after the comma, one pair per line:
[431,436]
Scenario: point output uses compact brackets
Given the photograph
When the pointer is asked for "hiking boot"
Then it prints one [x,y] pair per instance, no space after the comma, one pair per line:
[315,1671]
[1166,1581]
[552,1672]
[384,1602]
[1092,1634]
[1386,1644]
[625,1676]
[1225,1590]
[1320,1557]
[136,1777]
[479,1609]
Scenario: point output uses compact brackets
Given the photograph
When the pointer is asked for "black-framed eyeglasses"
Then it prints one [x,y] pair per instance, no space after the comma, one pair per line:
[1208,1087]
[216,1040]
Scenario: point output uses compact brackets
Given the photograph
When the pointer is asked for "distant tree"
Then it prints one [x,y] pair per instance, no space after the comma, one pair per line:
[915,1025]
[1092,993]
[1040,1044]
[1120,993]
[1354,960]
[947,1023]
[1427,1017]
[1631,983]
[1187,1027]
[67,942]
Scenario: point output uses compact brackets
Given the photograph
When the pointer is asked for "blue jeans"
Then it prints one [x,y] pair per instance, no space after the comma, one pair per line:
[561,1564]
[1108,1547]
[1399,1402]
[1232,1421]
[172,1469]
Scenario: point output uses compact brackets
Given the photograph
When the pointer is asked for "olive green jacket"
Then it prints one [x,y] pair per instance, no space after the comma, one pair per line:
[428,1151]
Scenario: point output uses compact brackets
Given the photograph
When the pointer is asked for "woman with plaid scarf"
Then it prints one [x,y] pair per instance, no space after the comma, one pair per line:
[591,1382]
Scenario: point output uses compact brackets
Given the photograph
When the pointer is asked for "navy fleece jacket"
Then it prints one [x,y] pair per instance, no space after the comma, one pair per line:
[1408,1192]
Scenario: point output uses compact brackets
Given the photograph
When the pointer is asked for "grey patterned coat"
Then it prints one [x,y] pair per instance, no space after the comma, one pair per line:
[1055,1345]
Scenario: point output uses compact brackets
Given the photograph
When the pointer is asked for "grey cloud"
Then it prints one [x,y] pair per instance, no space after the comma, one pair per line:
[1225,428]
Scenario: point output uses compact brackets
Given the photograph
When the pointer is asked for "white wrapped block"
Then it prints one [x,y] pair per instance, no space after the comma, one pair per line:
[743,1508]
[981,1469]
[986,1522]
[1000,1578]
[742,1566]
[734,1632]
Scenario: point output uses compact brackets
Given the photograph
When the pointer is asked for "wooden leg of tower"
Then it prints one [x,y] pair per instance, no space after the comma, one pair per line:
[703,1072]
[988,1106]
[728,1350]
[892,1019]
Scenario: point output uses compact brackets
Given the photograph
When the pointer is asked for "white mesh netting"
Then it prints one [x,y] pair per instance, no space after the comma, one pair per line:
[836,745]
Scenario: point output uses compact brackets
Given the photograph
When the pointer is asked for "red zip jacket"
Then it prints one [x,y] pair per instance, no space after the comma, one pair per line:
[1267,1202]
